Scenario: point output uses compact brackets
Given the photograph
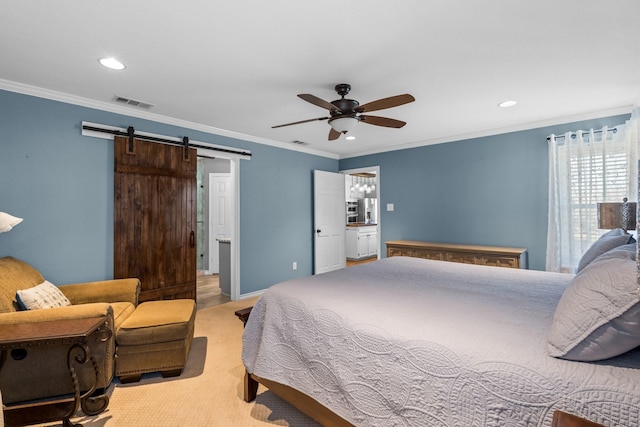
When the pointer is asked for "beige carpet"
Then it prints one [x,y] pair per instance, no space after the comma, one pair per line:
[209,391]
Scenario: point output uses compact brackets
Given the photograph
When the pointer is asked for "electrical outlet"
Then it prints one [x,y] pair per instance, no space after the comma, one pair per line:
[295,265]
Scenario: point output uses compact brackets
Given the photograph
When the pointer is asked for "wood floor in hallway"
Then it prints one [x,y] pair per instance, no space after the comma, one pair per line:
[208,291]
[351,263]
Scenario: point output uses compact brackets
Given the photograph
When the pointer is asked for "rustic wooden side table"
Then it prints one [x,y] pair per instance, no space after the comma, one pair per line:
[18,340]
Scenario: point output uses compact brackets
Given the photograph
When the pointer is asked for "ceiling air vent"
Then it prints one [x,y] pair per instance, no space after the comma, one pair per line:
[298,142]
[132,102]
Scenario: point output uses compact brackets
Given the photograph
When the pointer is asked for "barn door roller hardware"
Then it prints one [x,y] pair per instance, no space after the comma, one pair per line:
[185,142]
[131,135]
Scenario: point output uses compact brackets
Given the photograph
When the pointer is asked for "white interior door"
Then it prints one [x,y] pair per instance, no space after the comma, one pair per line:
[329,221]
[220,218]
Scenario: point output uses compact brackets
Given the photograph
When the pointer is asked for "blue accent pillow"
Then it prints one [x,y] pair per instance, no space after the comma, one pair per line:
[605,243]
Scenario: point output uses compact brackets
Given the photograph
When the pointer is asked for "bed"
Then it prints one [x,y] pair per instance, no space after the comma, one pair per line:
[413,342]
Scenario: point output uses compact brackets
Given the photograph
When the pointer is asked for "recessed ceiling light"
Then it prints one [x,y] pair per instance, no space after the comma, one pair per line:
[507,104]
[112,63]
[350,138]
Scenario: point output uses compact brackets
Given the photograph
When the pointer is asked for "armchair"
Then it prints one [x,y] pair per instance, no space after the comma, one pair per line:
[38,374]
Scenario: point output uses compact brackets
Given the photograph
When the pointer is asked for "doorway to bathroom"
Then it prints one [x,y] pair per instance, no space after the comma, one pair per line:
[216,223]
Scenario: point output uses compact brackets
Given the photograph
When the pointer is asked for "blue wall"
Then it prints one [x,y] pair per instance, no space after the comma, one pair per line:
[490,190]
[61,183]
[486,191]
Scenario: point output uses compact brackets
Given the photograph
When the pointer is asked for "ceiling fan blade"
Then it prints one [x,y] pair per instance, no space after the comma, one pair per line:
[333,134]
[382,121]
[301,121]
[317,101]
[381,104]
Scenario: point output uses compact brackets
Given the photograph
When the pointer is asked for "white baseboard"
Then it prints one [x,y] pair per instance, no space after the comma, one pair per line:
[251,295]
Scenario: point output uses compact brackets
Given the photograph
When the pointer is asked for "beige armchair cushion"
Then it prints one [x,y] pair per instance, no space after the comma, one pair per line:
[158,321]
[121,311]
[120,290]
[83,311]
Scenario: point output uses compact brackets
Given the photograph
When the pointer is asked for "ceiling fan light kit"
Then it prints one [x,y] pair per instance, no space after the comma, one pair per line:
[346,113]
[343,124]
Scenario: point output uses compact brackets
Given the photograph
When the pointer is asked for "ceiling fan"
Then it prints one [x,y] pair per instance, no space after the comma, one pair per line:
[345,113]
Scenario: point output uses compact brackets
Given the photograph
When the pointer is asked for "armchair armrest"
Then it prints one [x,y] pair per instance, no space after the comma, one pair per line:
[117,290]
[82,311]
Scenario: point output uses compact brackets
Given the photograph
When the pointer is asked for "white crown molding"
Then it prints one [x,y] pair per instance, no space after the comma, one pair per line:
[128,111]
[499,131]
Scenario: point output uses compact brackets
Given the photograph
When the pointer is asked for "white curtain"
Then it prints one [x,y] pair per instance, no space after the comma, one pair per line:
[585,168]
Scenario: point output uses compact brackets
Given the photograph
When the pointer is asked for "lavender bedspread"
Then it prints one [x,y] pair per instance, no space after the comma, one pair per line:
[412,342]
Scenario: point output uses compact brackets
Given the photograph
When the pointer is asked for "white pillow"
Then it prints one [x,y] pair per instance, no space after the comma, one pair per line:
[7,222]
[45,295]
[598,316]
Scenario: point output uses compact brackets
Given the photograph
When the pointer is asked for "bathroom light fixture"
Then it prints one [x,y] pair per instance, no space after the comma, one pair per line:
[343,124]
[507,104]
[112,63]
[7,222]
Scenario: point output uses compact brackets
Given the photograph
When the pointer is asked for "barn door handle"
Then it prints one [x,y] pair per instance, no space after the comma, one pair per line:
[192,239]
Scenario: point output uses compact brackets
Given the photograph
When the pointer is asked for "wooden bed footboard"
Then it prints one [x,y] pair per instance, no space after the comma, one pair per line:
[301,401]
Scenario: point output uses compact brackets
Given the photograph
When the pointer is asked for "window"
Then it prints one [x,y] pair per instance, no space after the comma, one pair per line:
[603,177]
[585,168]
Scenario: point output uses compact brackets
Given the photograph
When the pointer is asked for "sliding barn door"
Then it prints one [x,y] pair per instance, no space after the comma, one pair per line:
[155,218]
